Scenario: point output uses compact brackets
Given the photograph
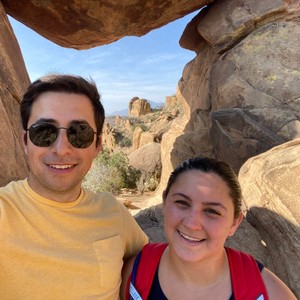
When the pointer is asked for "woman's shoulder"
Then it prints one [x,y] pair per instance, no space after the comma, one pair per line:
[276,288]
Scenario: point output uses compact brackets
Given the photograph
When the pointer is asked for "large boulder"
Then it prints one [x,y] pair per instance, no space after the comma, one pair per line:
[89,23]
[13,82]
[147,158]
[271,190]
[240,94]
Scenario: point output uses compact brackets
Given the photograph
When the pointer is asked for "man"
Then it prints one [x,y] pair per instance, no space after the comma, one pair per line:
[58,240]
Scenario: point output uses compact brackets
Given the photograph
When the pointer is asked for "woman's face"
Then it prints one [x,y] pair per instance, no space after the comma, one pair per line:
[198,216]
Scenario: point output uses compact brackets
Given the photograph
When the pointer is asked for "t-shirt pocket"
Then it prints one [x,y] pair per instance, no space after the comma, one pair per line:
[110,254]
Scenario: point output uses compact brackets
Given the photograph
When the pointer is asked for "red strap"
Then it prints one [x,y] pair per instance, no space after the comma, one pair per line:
[150,257]
[247,282]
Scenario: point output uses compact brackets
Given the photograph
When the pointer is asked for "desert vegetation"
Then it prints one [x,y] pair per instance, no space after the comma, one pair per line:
[112,170]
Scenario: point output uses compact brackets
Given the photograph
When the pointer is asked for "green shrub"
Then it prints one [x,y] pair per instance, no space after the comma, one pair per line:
[111,172]
[147,181]
[125,141]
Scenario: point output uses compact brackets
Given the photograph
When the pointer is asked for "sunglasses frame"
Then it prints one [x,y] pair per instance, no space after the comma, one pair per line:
[72,138]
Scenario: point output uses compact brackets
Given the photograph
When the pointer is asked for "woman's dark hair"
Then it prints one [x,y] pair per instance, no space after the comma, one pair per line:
[66,84]
[210,165]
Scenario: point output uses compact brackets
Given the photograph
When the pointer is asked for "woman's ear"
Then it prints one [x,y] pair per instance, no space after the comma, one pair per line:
[164,197]
[236,222]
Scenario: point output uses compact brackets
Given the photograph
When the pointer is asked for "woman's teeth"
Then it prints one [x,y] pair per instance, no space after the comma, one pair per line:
[190,238]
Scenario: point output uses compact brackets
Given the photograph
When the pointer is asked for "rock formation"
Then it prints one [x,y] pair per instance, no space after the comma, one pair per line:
[109,136]
[13,82]
[240,94]
[146,138]
[139,107]
[137,133]
[88,23]
[146,158]
[271,190]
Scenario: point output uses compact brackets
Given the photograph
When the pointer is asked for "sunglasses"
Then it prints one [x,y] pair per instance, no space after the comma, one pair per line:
[80,135]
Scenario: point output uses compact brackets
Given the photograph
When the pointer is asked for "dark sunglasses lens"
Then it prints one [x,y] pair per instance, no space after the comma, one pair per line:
[43,135]
[80,135]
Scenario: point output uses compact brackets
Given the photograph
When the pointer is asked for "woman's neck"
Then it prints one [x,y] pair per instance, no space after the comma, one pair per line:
[205,278]
[210,269]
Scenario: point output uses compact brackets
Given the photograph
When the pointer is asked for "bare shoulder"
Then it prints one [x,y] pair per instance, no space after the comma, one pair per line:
[126,271]
[276,288]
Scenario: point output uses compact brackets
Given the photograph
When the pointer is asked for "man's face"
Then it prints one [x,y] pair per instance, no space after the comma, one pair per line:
[57,171]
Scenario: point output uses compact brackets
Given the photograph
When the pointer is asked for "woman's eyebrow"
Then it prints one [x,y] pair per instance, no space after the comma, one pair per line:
[207,203]
[212,203]
[182,195]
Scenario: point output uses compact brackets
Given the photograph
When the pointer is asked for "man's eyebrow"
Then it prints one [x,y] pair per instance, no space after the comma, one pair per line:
[79,122]
[53,121]
[45,120]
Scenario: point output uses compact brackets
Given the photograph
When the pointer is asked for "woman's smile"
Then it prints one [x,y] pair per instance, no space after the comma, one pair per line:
[189,238]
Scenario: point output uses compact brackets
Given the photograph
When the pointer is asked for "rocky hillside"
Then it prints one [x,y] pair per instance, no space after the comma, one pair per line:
[139,135]
[131,154]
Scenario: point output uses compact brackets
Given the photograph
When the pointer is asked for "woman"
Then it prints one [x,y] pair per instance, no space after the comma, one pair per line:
[201,208]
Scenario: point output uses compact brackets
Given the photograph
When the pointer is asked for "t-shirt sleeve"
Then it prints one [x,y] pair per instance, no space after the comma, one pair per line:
[135,237]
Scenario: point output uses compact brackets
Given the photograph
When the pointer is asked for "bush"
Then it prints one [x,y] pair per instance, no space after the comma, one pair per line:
[125,141]
[111,172]
[147,181]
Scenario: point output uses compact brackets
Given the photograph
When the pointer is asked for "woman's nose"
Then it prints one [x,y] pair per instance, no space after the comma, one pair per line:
[194,220]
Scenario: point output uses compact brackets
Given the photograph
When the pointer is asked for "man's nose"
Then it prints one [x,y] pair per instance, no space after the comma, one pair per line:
[62,145]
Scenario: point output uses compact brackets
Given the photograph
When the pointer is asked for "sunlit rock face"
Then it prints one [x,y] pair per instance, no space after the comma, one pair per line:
[271,189]
[241,92]
[89,23]
[13,82]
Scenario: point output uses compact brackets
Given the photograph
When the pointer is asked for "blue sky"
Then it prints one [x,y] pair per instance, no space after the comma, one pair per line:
[147,67]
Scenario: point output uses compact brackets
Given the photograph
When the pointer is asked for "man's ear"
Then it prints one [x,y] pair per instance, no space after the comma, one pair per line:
[98,145]
[236,222]
[25,141]
[25,138]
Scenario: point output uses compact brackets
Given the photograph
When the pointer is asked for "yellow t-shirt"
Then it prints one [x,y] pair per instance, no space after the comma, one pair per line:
[74,250]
